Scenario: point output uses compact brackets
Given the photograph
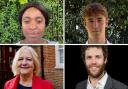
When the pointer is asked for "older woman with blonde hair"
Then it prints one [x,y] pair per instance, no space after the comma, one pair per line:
[26,69]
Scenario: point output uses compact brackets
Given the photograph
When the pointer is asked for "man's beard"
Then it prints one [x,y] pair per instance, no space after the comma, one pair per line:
[98,73]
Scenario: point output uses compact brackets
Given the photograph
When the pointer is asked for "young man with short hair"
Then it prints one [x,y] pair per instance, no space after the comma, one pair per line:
[95,18]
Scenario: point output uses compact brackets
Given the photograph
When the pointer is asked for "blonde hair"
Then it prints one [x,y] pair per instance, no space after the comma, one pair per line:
[37,65]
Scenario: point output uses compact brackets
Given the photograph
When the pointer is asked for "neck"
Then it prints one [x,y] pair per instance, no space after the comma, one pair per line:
[34,41]
[26,80]
[97,40]
[94,81]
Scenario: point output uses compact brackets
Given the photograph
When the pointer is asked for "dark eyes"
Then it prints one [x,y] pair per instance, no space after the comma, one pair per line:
[92,20]
[29,59]
[20,59]
[99,19]
[28,21]
[39,21]
[89,57]
[97,56]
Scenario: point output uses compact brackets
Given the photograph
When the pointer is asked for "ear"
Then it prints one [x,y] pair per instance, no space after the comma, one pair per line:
[106,61]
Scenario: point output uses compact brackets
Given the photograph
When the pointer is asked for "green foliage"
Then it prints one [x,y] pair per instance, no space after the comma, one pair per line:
[10,31]
[117,31]
[9,28]
[55,30]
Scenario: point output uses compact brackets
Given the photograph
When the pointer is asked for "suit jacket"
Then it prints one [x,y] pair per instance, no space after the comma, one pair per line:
[110,84]
[37,83]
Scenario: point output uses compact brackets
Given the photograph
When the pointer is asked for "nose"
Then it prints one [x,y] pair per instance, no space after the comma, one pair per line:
[24,62]
[95,24]
[93,60]
[33,25]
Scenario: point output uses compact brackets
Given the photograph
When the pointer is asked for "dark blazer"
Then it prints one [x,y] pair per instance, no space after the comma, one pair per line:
[110,84]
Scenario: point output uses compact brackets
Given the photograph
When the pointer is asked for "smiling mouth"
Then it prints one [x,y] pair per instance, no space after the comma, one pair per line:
[24,67]
[95,31]
[94,66]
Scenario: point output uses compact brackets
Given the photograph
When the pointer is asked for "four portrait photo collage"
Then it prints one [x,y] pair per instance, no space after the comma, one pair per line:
[63,44]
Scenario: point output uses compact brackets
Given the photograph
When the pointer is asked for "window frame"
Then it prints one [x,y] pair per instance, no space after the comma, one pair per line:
[58,65]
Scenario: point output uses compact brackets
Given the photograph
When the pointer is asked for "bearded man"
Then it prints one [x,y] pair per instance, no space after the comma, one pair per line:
[95,59]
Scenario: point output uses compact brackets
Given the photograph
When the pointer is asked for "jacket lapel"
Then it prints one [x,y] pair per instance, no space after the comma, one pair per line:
[109,84]
[14,83]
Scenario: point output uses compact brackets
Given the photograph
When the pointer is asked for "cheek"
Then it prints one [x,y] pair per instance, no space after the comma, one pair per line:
[87,63]
[90,25]
[31,64]
[101,63]
[103,25]
[41,27]
[18,64]
[25,28]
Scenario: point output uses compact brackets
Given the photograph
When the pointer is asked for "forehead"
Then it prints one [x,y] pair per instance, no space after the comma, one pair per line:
[32,11]
[25,53]
[95,16]
[93,51]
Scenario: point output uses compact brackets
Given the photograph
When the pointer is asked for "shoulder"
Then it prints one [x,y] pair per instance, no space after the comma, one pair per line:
[11,83]
[108,42]
[38,81]
[37,78]
[8,83]
[52,42]
[118,84]
[81,85]
[19,42]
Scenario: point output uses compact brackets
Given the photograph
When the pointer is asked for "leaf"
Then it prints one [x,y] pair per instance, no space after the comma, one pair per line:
[23,1]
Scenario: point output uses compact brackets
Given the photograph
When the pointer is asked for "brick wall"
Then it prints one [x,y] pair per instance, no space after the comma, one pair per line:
[50,72]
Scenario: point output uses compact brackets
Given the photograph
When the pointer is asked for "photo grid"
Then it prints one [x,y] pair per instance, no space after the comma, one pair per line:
[63,44]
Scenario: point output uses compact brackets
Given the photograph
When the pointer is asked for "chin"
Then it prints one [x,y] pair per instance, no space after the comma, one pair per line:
[94,74]
[25,72]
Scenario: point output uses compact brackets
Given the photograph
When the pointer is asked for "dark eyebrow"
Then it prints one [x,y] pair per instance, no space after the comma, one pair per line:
[39,17]
[26,18]
[100,18]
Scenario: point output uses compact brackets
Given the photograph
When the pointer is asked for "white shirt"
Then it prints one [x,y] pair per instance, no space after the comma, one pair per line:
[101,83]
[107,42]
[49,42]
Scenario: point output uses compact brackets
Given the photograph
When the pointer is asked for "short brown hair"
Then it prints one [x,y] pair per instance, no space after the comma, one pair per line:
[94,9]
[103,47]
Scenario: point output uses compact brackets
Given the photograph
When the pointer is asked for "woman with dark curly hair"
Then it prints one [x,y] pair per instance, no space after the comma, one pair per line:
[33,19]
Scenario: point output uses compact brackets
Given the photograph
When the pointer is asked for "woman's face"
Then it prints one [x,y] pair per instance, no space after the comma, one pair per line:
[33,24]
[25,63]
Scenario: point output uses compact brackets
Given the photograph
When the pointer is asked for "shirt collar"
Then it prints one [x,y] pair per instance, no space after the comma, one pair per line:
[106,42]
[101,83]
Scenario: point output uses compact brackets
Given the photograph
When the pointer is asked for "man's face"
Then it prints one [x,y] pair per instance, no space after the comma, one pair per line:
[95,24]
[95,62]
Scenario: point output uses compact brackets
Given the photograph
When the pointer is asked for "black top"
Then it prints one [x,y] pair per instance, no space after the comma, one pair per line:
[23,87]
